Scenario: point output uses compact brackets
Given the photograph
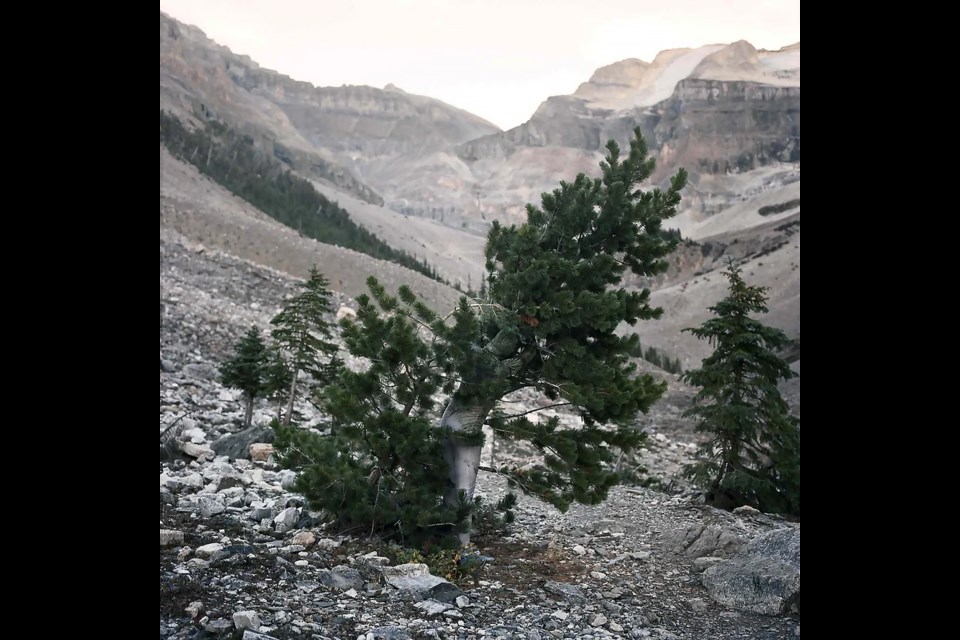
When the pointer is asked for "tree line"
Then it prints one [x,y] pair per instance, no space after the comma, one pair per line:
[232,160]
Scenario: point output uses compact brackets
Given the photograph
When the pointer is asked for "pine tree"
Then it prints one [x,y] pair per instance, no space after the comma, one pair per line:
[303,333]
[752,454]
[555,301]
[245,370]
[277,379]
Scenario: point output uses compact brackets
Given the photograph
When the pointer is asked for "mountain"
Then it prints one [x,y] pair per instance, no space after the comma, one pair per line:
[327,133]
[429,178]
[718,110]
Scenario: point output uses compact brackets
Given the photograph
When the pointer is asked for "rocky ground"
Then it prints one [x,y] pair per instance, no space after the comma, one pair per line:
[242,556]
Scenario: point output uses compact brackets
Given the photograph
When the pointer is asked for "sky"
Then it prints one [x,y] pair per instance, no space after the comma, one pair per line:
[498,59]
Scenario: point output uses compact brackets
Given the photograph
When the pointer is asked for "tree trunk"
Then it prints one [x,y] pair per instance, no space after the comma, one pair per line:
[248,414]
[293,393]
[465,417]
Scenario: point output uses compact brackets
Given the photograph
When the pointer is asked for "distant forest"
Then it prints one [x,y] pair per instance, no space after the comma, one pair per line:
[232,160]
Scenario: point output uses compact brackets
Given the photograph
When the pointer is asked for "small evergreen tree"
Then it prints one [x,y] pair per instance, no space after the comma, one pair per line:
[277,379]
[245,370]
[752,454]
[302,332]
[549,324]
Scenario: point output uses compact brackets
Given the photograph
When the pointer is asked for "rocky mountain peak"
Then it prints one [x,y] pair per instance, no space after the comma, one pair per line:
[741,61]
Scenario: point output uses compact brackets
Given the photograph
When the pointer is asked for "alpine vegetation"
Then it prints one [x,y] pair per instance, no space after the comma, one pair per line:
[403,454]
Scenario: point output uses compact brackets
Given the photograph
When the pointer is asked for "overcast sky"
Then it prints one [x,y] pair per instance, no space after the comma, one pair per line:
[498,59]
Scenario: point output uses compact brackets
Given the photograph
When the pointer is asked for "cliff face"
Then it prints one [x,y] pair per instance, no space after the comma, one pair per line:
[327,133]
[717,110]
[715,127]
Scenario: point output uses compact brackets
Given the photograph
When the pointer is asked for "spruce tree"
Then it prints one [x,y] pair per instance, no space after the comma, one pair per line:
[303,333]
[277,379]
[245,370]
[752,453]
[555,300]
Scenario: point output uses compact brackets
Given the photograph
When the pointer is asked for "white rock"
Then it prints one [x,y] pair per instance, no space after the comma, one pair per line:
[170,537]
[463,601]
[170,482]
[433,607]
[211,505]
[350,593]
[560,615]
[198,451]
[195,435]
[579,550]
[746,510]
[287,519]
[598,575]
[260,451]
[305,539]
[598,620]
[226,395]
[287,478]
[326,544]
[208,550]
[246,620]
[613,626]
[194,480]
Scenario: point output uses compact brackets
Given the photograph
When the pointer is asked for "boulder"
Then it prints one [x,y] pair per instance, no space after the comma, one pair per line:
[763,577]
[237,445]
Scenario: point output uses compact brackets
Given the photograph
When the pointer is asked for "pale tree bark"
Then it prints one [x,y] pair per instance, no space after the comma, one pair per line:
[463,418]
[465,414]
[293,394]
[248,413]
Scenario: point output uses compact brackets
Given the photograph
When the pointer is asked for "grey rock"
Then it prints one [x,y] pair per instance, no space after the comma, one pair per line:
[304,538]
[444,592]
[697,541]
[568,592]
[342,577]
[218,627]
[433,607]
[219,556]
[414,581]
[700,564]
[287,478]
[253,635]
[612,607]
[246,620]
[598,620]
[462,601]
[194,480]
[391,632]
[195,435]
[260,513]
[202,371]
[237,445]
[697,605]
[194,609]
[170,537]
[208,550]
[167,366]
[210,505]
[199,451]
[764,577]
[286,519]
